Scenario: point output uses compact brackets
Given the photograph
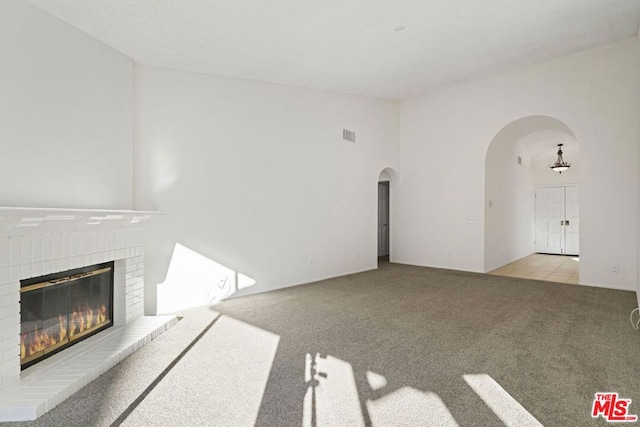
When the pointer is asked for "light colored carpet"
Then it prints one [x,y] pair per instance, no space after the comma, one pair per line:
[400,345]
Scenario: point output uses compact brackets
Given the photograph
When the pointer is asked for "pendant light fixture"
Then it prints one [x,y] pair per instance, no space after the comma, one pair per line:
[560,165]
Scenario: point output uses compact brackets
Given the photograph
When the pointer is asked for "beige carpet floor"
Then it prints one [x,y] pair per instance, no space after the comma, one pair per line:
[400,345]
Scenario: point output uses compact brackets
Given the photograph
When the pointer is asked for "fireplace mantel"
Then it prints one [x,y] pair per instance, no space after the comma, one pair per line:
[23,220]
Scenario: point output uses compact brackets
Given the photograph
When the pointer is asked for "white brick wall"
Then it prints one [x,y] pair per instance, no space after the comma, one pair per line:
[33,253]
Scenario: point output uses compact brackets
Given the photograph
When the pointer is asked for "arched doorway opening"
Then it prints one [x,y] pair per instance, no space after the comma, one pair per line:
[530,208]
[386,180]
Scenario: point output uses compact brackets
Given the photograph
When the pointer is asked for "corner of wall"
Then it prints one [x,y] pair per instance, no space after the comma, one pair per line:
[638,142]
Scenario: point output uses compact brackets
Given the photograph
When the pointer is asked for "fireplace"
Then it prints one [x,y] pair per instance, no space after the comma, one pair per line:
[35,242]
[61,309]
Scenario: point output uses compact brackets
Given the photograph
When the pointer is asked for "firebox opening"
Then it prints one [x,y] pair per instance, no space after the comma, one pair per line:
[61,309]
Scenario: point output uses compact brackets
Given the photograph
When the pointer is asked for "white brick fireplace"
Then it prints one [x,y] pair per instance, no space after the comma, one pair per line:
[36,242]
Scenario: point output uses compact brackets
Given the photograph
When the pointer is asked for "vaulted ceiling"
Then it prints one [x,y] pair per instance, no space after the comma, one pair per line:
[382,48]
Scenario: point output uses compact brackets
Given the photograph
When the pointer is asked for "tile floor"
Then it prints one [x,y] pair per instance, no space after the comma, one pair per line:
[552,268]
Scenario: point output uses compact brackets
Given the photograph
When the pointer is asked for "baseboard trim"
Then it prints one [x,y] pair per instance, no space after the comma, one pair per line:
[291,285]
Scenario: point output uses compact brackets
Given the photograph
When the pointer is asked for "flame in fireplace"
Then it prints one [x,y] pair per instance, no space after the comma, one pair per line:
[63,328]
[88,319]
[80,320]
[102,314]
[38,341]
[72,323]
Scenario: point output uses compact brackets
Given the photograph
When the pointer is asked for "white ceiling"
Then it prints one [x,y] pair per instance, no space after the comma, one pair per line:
[350,45]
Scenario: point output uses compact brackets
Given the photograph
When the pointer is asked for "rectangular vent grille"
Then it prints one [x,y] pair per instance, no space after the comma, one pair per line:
[348,135]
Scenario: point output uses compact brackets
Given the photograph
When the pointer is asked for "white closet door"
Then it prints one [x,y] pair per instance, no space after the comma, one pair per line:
[572,221]
[550,220]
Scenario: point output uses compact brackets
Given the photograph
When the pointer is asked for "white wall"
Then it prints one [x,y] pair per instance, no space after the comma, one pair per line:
[66,114]
[445,136]
[509,202]
[257,178]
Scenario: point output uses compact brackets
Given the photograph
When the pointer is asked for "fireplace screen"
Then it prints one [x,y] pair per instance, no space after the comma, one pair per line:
[58,310]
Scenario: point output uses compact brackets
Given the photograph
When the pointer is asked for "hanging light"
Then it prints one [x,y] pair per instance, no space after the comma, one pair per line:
[560,165]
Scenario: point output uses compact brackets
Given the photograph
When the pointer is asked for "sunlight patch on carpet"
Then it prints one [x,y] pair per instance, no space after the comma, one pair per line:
[500,402]
[408,406]
[376,381]
[219,382]
[332,396]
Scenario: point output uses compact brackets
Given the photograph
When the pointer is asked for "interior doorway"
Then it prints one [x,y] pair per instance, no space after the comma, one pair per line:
[516,164]
[388,187]
[383,219]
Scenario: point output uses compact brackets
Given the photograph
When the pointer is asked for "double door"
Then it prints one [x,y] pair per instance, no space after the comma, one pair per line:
[557,220]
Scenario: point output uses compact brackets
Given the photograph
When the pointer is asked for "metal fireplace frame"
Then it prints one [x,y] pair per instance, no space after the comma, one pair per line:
[55,279]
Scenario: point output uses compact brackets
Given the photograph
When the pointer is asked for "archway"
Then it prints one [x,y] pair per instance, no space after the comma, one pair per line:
[386,181]
[516,167]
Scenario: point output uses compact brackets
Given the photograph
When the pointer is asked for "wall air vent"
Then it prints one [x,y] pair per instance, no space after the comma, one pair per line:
[348,135]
